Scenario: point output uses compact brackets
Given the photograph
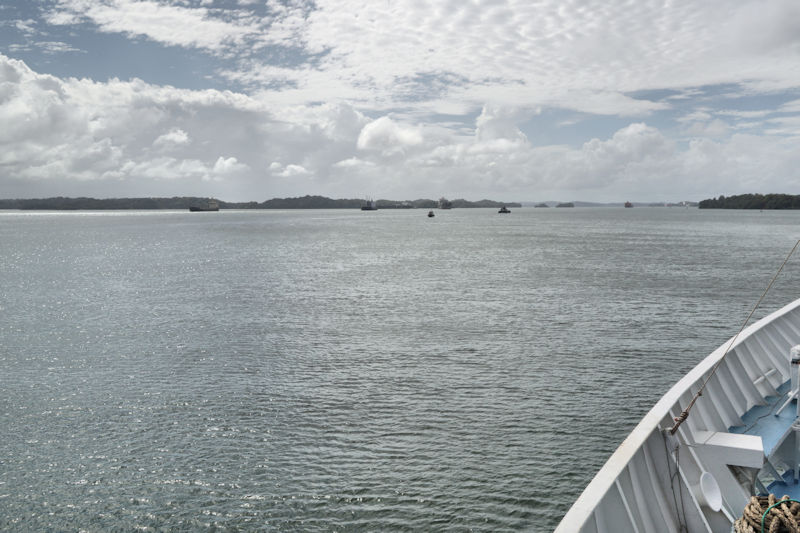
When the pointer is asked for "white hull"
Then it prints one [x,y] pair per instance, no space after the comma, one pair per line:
[651,482]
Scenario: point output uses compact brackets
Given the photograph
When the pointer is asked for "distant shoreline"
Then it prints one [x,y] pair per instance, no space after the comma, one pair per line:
[61,203]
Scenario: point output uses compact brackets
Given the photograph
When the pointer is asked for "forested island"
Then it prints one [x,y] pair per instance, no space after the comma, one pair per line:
[753,201]
[185,202]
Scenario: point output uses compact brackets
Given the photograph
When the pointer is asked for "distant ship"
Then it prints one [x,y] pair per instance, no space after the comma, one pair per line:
[444,203]
[628,204]
[212,205]
[430,214]
[369,205]
[504,209]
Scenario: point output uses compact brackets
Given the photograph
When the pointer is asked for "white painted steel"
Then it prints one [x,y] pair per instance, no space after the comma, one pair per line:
[633,491]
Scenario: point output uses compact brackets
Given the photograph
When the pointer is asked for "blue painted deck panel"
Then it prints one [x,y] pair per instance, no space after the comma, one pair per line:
[761,420]
[786,487]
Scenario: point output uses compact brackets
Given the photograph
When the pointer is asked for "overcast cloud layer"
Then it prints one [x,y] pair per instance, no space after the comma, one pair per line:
[506,99]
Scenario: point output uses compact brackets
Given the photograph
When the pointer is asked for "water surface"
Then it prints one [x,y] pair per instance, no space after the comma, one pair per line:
[350,371]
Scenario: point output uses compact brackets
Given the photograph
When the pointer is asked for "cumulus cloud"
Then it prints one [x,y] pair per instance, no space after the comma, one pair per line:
[388,136]
[496,123]
[173,137]
[228,166]
[63,133]
[634,154]
[288,171]
[82,130]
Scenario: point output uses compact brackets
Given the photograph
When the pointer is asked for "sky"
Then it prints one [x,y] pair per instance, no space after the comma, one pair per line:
[512,100]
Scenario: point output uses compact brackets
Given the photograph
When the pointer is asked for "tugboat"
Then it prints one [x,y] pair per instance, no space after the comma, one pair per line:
[430,214]
[504,209]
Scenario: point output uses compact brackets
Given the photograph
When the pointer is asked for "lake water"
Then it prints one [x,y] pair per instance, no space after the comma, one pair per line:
[346,370]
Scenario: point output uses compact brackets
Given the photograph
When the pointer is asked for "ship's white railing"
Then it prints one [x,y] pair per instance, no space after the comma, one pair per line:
[652,481]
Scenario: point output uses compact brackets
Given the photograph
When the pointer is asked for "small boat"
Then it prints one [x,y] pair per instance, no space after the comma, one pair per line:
[430,214]
[628,204]
[212,205]
[719,464]
[504,209]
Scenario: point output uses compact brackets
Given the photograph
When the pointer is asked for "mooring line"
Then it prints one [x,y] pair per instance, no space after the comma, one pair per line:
[685,413]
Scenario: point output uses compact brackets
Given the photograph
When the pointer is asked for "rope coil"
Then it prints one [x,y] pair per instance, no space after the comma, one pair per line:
[767,514]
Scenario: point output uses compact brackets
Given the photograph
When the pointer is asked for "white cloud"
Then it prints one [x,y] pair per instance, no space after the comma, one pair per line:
[791,107]
[389,137]
[73,130]
[557,54]
[148,140]
[789,125]
[634,153]
[288,171]
[381,56]
[497,123]
[747,114]
[710,128]
[165,168]
[228,166]
[27,26]
[168,24]
[766,27]
[353,163]
[56,47]
[175,136]
[700,115]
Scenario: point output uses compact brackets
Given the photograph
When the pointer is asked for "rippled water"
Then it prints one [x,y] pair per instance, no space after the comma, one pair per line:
[347,371]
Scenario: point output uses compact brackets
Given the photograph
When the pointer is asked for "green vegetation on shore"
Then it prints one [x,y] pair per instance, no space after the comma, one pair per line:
[753,201]
[185,202]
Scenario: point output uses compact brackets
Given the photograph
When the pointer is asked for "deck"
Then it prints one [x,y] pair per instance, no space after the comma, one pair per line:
[773,429]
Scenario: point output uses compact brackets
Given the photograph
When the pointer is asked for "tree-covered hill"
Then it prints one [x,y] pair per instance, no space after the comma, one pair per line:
[753,201]
[63,203]
[185,202]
